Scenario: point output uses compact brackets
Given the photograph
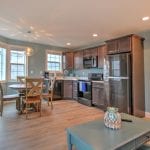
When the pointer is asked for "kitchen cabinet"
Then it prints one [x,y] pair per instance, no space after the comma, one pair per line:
[99,95]
[119,45]
[75,90]
[102,51]
[68,89]
[91,52]
[68,60]
[127,93]
[78,60]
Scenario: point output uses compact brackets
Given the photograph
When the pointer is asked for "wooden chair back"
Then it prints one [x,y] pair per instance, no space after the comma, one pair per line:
[34,87]
[21,79]
[6,98]
[52,83]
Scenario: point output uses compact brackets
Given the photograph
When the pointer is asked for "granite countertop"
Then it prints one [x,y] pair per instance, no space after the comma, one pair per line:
[76,78]
[72,78]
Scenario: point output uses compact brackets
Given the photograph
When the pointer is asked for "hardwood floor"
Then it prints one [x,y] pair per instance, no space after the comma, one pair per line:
[46,132]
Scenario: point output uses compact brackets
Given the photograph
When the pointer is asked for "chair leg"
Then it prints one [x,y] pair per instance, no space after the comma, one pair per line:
[26,111]
[40,109]
[51,102]
[48,101]
[1,109]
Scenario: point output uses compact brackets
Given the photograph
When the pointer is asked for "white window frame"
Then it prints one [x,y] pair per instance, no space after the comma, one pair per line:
[55,52]
[16,48]
[5,46]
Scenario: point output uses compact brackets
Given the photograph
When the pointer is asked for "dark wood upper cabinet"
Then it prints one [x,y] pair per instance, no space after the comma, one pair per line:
[102,52]
[90,52]
[124,44]
[68,60]
[112,46]
[78,60]
[119,45]
[86,53]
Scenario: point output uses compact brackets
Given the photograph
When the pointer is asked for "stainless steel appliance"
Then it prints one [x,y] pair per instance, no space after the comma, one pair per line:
[84,92]
[95,76]
[120,82]
[90,62]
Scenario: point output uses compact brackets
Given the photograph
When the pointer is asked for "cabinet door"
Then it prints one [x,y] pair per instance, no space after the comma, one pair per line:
[78,60]
[95,96]
[94,51]
[112,46]
[124,44]
[86,53]
[75,90]
[101,56]
[68,89]
[99,95]
[68,60]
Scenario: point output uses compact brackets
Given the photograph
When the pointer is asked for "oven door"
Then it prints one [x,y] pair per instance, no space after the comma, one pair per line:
[84,92]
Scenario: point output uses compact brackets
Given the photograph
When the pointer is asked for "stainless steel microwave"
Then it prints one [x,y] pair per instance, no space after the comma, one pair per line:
[90,62]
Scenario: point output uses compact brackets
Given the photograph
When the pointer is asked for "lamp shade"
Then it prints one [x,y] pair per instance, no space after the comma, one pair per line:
[29,51]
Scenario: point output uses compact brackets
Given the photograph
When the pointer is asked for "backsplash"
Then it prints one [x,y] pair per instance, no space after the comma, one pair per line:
[84,72]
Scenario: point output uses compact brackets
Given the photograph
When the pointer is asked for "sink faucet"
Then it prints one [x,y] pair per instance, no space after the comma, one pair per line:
[65,72]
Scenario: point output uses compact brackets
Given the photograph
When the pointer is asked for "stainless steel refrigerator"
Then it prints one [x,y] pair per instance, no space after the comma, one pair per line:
[119,82]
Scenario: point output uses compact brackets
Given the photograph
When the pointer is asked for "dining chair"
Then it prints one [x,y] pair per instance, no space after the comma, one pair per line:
[21,79]
[50,93]
[33,93]
[4,98]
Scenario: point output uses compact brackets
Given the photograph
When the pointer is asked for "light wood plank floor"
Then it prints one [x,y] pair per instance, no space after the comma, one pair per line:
[46,132]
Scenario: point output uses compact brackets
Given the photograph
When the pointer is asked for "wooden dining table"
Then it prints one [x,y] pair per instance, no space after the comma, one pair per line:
[21,89]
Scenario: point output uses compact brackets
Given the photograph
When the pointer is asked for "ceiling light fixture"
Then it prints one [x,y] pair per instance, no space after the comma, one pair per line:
[95,35]
[68,43]
[145,18]
[29,51]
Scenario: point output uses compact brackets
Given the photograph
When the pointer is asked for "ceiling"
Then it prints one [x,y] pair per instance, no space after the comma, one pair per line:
[57,22]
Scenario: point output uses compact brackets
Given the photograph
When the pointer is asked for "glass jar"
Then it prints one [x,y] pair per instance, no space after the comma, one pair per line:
[112,118]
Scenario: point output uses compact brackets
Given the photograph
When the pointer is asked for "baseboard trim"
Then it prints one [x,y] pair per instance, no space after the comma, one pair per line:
[147,114]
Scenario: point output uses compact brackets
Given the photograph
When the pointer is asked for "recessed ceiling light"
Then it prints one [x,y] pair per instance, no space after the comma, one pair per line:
[95,35]
[145,18]
[68,43]
[31,27]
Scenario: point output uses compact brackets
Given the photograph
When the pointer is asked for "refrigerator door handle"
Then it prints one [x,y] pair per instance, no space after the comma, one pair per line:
[110,77]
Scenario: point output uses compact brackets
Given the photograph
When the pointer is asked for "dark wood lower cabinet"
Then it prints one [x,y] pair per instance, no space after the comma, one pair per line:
[67,89]
[75,90]
[99,95]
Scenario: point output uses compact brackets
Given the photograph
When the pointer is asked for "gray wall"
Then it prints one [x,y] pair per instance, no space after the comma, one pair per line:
[37,61]
[146,35]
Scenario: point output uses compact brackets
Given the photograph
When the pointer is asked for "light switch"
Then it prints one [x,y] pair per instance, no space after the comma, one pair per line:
[31,71]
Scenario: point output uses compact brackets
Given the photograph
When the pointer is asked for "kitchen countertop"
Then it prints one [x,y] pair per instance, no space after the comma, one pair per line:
[72,78]
[77,78]
[98,81]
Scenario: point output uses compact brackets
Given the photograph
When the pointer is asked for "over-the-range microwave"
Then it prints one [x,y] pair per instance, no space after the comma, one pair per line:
[90,62]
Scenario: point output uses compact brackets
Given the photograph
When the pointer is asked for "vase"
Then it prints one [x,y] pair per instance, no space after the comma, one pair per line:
[112,118]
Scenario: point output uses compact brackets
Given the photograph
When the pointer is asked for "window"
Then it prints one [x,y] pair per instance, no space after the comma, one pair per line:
[54,61]
[17,63]
[2,63]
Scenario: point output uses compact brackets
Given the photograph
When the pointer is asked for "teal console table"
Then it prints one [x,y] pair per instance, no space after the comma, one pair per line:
[95,136]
